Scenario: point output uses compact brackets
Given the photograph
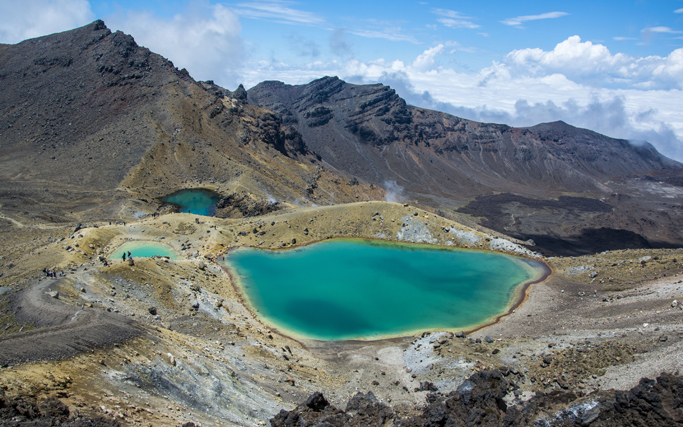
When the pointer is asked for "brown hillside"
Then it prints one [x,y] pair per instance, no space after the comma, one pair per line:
[89,119]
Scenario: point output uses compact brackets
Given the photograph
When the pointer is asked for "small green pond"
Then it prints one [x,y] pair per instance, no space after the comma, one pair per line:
[362,289]
[198,201]
[144,250]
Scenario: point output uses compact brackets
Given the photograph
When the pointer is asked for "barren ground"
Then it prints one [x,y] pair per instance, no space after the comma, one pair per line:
[600,321]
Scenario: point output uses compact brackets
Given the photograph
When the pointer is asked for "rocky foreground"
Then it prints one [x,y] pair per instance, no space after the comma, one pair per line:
[486,399]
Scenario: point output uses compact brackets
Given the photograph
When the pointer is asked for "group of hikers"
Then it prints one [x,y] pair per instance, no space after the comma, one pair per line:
[49,273]
[124,256]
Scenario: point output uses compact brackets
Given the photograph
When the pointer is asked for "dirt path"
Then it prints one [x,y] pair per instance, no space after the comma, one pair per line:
[13,221]
[62,330]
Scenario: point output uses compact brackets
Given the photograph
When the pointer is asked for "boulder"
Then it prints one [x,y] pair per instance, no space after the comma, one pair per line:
[317,401]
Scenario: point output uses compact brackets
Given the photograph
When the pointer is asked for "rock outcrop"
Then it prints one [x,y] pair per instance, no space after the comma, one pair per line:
[480,401]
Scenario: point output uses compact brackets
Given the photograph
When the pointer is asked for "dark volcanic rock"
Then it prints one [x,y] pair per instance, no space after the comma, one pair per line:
[19,412]
[361,410]
[244,204]
[479,402]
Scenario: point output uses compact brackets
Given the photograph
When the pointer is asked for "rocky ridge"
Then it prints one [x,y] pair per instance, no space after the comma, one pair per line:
[447,162]
[363,129]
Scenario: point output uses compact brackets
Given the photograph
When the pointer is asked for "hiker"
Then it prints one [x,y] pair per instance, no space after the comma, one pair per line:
[124,257]
[129,255]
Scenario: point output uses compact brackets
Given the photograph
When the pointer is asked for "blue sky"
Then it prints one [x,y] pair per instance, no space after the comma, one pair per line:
[612,66]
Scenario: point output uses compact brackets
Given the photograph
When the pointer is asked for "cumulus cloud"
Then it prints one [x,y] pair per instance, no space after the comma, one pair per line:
[205,40]
[22,20]
[594,64]
[425,60]
[517,21]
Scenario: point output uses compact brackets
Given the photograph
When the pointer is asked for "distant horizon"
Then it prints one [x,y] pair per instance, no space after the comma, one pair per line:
[611,67]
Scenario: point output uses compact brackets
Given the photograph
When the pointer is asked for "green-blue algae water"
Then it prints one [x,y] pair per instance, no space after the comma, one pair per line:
[362,289]
[198,201]
[143,250]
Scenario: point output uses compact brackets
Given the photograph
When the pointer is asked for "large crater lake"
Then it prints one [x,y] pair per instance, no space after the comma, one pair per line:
[363,289]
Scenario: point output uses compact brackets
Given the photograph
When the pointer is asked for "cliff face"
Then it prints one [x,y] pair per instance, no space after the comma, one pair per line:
[369,131]
[445,161]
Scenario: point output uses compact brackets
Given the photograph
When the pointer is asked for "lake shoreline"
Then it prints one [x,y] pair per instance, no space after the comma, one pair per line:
[520,291]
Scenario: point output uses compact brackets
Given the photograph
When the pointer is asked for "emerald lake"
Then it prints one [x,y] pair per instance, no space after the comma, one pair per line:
[198,201]
[363,289]
[144,250]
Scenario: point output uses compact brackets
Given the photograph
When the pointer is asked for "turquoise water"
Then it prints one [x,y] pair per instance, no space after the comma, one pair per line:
[144,250]
[198,201]
[358,289]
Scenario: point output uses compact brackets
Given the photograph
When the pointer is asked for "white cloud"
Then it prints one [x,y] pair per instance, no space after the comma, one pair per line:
[454,19]
[678,10]
[21,20]
[457,23]
[450,13]
[425,60]
[665,30]
[205,40]
[518,20]
[278,11]
[619,39]
[593,64]
[394,34]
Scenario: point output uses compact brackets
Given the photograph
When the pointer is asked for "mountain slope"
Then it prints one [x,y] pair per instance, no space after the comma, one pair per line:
[445,161]
[89,115]
[370,131]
